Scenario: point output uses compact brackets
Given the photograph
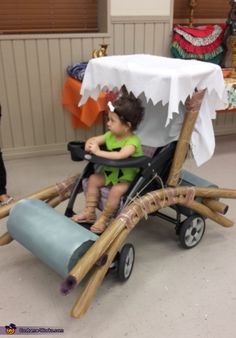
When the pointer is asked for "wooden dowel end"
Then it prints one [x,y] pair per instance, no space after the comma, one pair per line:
[215,205]
[205,211]
[5,239]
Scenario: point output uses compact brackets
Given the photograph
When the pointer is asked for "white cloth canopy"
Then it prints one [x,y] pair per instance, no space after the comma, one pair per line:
[164,85]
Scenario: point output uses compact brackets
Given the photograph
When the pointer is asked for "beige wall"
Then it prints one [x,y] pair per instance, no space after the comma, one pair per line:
[140,7]
[33,70]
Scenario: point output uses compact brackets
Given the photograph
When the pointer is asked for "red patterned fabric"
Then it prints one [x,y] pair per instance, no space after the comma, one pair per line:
[188,47]
[200,43]
[200,31]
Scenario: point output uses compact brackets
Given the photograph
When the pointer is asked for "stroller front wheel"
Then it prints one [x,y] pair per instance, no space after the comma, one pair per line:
[126,262]
[192,231]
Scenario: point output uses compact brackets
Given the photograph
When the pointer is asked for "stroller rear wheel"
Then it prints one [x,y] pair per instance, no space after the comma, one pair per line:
[126,262]
[192,231]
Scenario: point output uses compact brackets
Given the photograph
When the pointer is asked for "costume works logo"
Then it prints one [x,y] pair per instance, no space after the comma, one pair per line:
[10,329]
[28,330]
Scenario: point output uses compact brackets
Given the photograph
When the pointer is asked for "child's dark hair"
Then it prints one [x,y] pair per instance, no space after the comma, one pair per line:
[129,108]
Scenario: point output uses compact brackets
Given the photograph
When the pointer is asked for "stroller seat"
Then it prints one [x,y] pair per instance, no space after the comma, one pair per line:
[148,151]
[155,162]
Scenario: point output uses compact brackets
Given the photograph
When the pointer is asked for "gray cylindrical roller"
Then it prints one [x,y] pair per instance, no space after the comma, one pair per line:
[53,238]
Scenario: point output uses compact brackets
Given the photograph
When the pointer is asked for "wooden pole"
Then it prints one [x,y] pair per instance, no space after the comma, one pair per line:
[55,201]
[208,193]
[215,192]
[205,211]
[215,205]
[44,194]
[88,293]
[191,114]
[146,204]
[135,212]
[88,260]
[83,302]
[5,239]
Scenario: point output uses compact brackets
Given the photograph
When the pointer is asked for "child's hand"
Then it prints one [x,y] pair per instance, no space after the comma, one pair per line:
[93,143]
[88,144]
[94,148]
[86,148]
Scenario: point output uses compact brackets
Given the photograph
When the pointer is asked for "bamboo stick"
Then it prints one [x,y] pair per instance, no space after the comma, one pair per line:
[5,239]
[209,192]
[88,293]
[191,114]
[116,227]
[55,201]
[215,205]
[215,192]
[181,148]
[136,212]
[87,261]
[205,211]
[44,194]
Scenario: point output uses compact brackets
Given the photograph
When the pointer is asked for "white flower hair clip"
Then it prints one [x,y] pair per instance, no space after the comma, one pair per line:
[110,106]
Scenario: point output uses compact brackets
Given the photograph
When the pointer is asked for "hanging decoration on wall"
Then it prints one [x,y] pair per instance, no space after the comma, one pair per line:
[203,42]
[230,37]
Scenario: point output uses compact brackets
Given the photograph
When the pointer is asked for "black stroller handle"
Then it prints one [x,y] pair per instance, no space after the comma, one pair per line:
[78,153]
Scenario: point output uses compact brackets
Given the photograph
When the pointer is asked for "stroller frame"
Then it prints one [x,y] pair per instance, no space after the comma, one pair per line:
[114,236]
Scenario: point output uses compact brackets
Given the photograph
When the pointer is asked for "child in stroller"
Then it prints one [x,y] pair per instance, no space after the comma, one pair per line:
[124,116]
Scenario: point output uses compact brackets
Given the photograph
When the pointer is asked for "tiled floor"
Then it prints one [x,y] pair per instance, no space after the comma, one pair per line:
[172,292]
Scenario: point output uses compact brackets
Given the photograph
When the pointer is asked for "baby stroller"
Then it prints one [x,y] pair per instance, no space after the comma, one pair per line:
[158,165]
[160,182]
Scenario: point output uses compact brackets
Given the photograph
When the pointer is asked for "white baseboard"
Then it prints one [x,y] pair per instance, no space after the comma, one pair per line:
[44,150]
[225,130]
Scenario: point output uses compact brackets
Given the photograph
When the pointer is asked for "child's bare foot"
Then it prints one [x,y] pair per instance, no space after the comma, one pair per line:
[85,216]
[104,219]
[98,227]
[5,199]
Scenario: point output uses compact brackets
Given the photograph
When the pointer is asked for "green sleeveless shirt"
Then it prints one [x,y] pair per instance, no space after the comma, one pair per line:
[116,175]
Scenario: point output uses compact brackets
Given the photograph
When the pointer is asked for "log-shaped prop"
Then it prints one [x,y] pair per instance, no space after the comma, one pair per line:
[116,233]
[192,105]
[49,235]
[53,195]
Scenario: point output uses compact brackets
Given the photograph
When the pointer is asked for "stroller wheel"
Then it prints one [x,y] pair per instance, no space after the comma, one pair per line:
[192,231]
[126,262]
